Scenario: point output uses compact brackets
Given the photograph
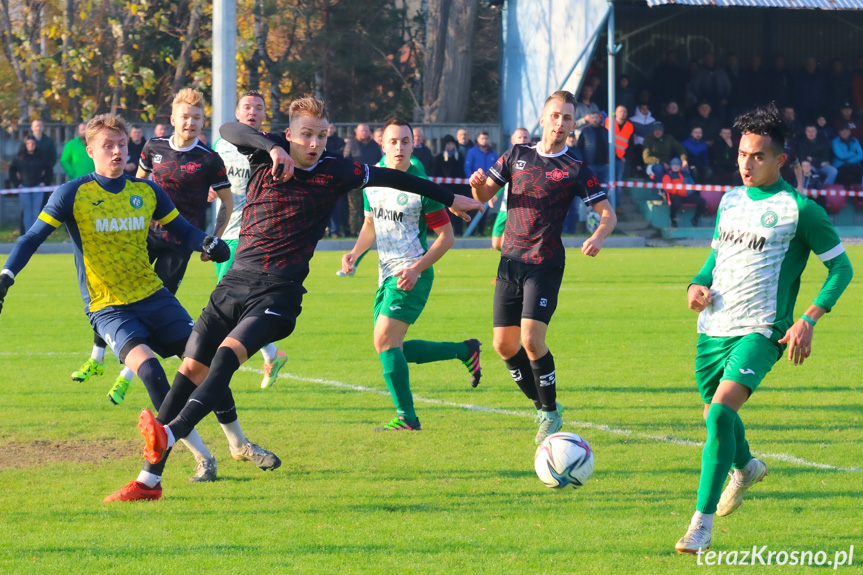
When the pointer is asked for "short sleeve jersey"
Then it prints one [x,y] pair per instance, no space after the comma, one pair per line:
[541,189]
[401,223]
[237,168]
[762,242]
[186,174]
[109,235]
[283,221]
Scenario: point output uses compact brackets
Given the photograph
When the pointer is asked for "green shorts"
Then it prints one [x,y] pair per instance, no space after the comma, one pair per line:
[403,305]
[222,268]
[499,224]
[743,359]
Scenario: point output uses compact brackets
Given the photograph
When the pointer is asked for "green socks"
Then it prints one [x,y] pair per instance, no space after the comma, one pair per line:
[421,351]
[726,444]
[397,377]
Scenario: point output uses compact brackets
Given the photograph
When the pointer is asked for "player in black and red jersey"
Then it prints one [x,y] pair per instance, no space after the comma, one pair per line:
[260,297]
[543,181]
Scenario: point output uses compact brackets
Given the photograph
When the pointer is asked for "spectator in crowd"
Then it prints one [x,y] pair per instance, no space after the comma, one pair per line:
[11,147]
[732,70]
[780,82]
[669,79]
[689,99]
[363,149]
[584,108]
[678,197]
[857,84]
[378,137]
[339,217]
[46,146]
[422,152]
[711,83]
[789,114]
[160,131]
[335,143]
[30,169]
[790,170]
[450,164]
[600,94]
[825,131]
[756,81]
[481,156]
[623,133]
[642,121]
[810,90]
[723,160]
[816,151]
[659,150]
[75,160]
[136,146]
[847,157]
[698,156]
[811,181]
[624,94]
[846,118]
[593,146]
[707,121]
[572,141]
[462,138]
[838,85]
[674,122]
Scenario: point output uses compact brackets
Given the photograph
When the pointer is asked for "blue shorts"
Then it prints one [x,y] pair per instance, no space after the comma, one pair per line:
[159,320]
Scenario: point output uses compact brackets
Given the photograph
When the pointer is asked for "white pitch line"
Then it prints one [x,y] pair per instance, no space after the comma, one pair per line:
[583,424]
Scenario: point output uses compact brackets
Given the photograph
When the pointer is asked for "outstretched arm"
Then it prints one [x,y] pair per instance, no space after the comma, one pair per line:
[458,205]
[365,239]
[276,145]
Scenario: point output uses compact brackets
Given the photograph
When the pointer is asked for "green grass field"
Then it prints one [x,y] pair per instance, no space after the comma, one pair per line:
[459,497]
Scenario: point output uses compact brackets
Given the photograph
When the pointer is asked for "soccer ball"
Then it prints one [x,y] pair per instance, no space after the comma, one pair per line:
[563,459]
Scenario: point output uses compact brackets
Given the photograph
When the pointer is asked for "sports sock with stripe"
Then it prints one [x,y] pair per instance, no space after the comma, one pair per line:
[206,397]
[546,384]
[520,370]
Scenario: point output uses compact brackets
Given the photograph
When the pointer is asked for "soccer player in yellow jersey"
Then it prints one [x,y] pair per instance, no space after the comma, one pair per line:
[108,215]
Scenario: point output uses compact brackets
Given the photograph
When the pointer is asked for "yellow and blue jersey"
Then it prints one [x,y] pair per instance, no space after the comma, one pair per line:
[108,220]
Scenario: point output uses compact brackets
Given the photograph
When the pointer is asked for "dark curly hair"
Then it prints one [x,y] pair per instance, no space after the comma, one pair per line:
[765,121]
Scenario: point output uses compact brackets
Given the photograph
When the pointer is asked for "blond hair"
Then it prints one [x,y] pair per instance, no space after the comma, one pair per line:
[562,96]
[103,122]
[189,96]
[308,106]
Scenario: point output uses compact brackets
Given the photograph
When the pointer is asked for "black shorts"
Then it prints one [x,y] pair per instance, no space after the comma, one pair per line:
[170,261]
[525,291]
[253,308]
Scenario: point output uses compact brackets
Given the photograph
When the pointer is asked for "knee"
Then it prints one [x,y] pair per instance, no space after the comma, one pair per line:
[534,346]
[384,341]
[195,371]
[719,416]
[505,348]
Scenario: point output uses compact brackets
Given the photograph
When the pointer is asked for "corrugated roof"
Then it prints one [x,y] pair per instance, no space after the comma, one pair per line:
[810,4]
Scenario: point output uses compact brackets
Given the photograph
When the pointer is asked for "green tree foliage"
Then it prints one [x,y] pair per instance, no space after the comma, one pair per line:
[67,59]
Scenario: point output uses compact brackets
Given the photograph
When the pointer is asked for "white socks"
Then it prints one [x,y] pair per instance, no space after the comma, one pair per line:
[149,479]
[234,434]
[269,352]
[172,441]
[98,354]
[127,373]
[194,443]
[704,518]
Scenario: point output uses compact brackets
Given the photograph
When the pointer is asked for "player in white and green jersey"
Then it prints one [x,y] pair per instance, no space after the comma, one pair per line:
[399,221]
[251,110]
[745,294]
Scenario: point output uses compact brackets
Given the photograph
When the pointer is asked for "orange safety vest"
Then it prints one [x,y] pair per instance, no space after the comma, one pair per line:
[622,135]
